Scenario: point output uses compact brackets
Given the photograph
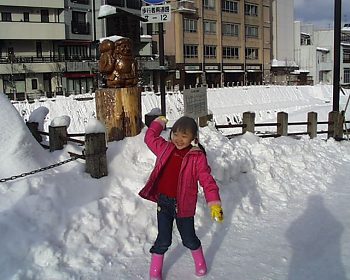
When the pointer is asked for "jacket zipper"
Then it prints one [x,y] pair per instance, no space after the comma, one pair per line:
[180,181]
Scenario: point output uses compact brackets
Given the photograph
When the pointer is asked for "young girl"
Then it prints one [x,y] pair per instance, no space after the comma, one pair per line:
[173,185]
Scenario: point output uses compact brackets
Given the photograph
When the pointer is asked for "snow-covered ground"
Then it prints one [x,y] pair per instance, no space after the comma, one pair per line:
[285,201]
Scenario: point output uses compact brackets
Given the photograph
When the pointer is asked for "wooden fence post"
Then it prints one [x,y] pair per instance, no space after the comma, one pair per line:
[33,128]
[248,122]
[335,125]
[95,155]
[282,123]
[203,121]
[312,124]
[57,137]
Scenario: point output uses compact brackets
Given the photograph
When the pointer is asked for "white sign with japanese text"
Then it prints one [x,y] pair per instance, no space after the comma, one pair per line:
[195,102]
[156,13]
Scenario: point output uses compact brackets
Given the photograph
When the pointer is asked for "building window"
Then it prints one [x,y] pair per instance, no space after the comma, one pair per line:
[230,6]
[34,84]
[191,51]
[346,75]
[251,53]
[190,25]
[119,3]
[230,52]
[305,39]
[39,49]
[44,15]
[230,29]
[251,31]
[79,24]
[346,55]
[155,28]
[209,4]
[5,16]
[210,27]
[251,10]
[26,16]
[209,51]
[84,2]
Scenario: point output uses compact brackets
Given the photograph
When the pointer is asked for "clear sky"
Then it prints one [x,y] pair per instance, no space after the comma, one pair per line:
[320,12]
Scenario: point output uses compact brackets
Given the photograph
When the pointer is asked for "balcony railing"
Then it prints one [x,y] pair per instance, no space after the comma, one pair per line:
[80,28]
[56,58]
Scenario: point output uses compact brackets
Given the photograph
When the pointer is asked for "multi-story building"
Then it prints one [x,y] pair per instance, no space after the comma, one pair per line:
[216,42]
[46,47]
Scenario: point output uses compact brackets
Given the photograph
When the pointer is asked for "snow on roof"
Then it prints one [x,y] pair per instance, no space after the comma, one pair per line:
[322,49]
[300,71]
[106,10]
[113,38]
[305,34]
[283,63]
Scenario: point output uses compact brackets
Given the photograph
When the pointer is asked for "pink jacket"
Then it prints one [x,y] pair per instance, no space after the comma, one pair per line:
[194,169]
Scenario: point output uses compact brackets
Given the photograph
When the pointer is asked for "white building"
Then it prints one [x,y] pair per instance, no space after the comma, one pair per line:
[314,53]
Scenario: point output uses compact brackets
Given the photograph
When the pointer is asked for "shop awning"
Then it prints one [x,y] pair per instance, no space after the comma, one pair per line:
[233,71]
[193,71]
[212,71]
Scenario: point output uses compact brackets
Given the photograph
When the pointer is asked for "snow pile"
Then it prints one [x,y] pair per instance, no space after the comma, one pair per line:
[63,224]
[15,134]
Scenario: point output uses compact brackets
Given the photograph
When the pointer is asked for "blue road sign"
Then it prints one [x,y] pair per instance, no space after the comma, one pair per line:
[152,2]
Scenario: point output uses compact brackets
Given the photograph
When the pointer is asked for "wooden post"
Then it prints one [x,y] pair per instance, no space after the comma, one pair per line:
[120,111]
[248,122]
[335,125]
[131,100]
[95,155]
[33,128]
[312,124]
[57,137]
[282,123]
[203,121]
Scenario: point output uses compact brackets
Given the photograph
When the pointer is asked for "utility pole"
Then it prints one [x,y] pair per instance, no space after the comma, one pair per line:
[336,66]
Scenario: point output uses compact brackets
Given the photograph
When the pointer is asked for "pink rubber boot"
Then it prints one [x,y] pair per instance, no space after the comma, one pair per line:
[155,270]
[199,261]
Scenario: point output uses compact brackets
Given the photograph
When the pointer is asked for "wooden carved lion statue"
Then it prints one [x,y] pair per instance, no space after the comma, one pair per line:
[118,63]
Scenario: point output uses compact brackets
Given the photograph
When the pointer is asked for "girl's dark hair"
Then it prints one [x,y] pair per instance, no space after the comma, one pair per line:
[187,124]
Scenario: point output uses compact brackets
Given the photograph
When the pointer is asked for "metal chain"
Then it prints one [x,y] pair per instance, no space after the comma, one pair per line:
[37,170]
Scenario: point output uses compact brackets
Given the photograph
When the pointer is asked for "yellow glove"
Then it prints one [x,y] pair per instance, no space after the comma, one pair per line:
[216,213]
[163,119]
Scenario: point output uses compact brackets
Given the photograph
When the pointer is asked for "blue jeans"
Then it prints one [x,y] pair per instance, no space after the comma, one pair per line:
[166,213]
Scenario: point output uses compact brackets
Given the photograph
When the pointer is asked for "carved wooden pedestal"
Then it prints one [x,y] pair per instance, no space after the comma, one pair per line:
[120,110]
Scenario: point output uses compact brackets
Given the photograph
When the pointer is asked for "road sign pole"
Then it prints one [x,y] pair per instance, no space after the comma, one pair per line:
[162,69]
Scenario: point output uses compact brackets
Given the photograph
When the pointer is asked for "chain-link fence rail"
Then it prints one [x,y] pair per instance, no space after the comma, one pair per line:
[38,170]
